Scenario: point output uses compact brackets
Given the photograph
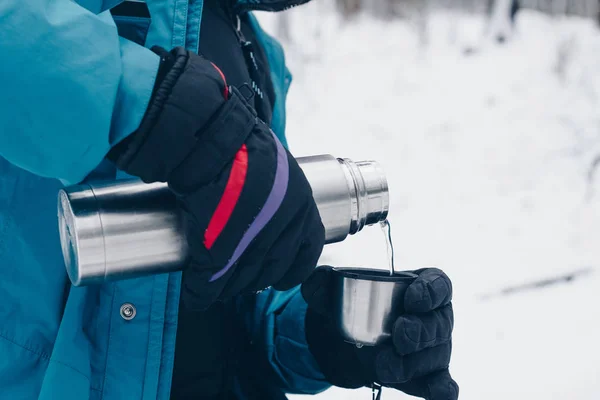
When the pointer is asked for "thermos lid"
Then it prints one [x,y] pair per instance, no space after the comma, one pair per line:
[370,194]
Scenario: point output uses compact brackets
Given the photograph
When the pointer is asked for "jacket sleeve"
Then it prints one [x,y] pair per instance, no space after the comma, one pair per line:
[276,328]
[71,87]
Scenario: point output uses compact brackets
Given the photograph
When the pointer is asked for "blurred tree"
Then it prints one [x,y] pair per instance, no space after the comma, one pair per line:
[502,14]
[510,7]
[381,8]
[586,8]
[349,7]
[283,27]
[410,8]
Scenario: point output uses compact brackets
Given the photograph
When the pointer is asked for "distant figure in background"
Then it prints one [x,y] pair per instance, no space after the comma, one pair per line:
[502,16]
[514,9]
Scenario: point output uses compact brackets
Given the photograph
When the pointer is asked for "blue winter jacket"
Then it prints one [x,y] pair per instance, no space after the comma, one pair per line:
[71,89]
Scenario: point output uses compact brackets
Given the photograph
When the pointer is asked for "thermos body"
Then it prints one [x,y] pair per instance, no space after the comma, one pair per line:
[126,229]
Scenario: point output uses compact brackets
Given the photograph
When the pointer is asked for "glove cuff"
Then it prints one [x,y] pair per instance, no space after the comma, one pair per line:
[186,115]
[170,68]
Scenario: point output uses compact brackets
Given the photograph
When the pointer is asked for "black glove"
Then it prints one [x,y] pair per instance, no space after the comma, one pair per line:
[249,215]
[414,361]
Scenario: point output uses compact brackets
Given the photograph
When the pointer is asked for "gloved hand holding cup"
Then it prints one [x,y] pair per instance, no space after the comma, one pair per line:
[402,325]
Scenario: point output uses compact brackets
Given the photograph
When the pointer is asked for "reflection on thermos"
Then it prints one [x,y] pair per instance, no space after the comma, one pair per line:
[125,229]
[366,303]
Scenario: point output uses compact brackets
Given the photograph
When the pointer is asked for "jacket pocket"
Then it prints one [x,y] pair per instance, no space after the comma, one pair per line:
[133,21]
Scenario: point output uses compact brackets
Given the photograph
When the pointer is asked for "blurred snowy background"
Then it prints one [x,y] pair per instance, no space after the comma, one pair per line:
[493,157]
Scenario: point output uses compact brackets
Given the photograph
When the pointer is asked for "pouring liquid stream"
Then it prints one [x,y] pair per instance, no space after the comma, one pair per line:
[386,228]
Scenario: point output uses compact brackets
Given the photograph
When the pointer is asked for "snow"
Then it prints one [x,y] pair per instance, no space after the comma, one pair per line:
[489,157]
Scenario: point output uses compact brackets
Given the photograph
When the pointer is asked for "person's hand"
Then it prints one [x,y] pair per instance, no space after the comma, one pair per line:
[417,357]
[249,216]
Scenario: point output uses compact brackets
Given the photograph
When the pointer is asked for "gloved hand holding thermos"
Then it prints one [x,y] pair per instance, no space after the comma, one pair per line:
[244,204]
[244,199]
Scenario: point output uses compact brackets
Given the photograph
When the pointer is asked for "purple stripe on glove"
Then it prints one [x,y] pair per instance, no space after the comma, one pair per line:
[271,206]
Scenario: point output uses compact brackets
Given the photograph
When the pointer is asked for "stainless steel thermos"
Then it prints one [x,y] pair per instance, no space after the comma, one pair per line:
[125,229]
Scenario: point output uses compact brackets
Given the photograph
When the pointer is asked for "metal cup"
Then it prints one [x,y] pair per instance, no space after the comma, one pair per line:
[366,302]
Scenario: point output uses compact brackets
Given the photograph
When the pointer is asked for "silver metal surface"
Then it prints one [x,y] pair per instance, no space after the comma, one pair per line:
[119,231]
[125,229]
[367,302]
[127,311]
[332,193]
[370,195]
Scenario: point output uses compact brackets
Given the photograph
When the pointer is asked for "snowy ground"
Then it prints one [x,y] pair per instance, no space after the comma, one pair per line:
[488,157]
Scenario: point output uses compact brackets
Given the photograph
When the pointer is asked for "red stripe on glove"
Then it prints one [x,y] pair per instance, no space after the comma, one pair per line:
[230,197]
[226,91]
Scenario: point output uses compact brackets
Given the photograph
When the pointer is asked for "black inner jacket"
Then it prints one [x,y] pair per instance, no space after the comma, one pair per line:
[220,43]
[212,358]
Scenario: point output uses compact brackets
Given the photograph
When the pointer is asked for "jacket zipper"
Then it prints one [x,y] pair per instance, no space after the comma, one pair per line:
[230,351]
[248,52]
[251,63]
[249,56]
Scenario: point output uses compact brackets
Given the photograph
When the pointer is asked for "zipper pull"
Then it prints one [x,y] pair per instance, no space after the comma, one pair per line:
[238,31]
[376,389]
[251,64]
[249,56]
